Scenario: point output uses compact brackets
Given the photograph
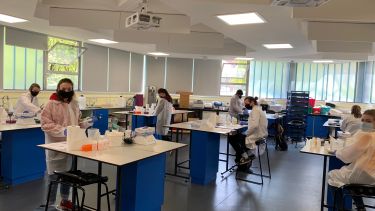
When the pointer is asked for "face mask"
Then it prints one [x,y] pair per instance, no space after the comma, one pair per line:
[66,95]
[34,94]
[248,106]
[240,96]
[367,127]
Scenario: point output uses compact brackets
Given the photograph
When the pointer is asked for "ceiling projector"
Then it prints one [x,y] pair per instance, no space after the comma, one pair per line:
[143,20]
[299,3]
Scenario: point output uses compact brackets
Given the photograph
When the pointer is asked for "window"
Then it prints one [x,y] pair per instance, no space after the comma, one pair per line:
[331,82]
[268,79]
[22,67]
[233,77]
[63,62]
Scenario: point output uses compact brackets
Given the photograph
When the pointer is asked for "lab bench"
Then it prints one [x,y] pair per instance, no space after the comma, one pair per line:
[315,125]
[21,160]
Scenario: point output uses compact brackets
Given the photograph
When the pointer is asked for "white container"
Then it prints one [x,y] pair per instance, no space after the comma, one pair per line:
[93,133]
[145,140]
[115,138]
[75,138]
[82,102]
[121,102]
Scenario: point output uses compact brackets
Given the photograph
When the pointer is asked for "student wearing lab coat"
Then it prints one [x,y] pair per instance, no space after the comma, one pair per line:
[360,156]
[163,111]
[257,129]
[236,105]
[352,123]
[61,111]
[28,102]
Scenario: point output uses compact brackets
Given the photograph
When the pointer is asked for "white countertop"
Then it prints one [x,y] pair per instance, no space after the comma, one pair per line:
[337,144]
[225,129]
[335,125]
[272,116]
[118,156]
[150,115]
[99,107]
[9,127]
[316,151]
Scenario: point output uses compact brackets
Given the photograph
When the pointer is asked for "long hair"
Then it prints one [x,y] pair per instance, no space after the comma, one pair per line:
[167,95]
[64,80]
[356,111]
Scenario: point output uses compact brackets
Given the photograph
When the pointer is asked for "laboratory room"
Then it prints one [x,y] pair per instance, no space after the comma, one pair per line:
[175,105]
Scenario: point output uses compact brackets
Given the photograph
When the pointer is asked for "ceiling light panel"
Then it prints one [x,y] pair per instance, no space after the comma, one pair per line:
[158,54]
[278,46]
[323,61]
[103,41]
[11,19]
[242,18]
[244,58]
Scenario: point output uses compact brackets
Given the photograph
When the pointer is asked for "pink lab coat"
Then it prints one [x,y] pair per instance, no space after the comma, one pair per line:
[55,117]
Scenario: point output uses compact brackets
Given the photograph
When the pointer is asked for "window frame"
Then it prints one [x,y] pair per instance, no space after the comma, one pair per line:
[46,71]
[246,84]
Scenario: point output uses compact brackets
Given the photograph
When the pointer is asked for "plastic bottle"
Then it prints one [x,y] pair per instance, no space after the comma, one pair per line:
[82,102]
[121,102]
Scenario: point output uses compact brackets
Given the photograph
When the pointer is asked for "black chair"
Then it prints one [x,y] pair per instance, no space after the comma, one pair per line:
[353,190]
[258,143]
[78,179]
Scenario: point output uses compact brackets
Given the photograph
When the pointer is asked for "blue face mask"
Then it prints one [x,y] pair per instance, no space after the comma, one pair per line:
[367,127]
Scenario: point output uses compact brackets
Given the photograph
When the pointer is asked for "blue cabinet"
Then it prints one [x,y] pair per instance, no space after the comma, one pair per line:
[315,126]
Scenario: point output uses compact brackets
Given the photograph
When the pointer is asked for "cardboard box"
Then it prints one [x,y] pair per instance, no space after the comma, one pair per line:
[184,99]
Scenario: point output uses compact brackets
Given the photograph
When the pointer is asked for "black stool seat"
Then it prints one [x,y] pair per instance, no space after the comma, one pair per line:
[360,190]
[81,178]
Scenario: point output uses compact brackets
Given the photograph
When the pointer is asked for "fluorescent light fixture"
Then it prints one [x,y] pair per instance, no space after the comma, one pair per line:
[103,41]
[11,19]
[244,58]
[242,18]
[323,61]
[158,54]
[277,46]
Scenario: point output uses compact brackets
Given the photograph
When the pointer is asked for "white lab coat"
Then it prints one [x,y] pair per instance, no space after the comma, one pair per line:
[351,124]
[360,156]
[163,112]
[26,102]
[257,126]
[235,106]
[56,116]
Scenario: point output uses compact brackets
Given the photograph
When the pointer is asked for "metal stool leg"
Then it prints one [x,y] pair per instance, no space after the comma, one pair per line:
[49,194]
[83,199]
[107,193]
[260,166]
[268,161]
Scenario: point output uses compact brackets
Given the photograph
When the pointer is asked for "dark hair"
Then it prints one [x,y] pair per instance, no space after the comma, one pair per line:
[239,92]
[252,99]
[167,95]
[34,85]
[64,80]
[370,112]
[356,111]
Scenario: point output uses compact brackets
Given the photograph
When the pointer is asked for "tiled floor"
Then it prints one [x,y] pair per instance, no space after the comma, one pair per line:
[295,185]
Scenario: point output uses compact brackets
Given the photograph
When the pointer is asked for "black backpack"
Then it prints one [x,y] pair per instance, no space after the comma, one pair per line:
[281,143]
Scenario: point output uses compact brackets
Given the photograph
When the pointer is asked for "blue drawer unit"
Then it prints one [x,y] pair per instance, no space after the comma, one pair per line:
[100,119]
